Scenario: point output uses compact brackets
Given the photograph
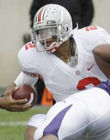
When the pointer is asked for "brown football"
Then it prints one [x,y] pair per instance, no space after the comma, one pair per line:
[26,92]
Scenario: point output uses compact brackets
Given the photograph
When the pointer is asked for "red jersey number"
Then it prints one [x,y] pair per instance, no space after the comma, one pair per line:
[86,81]
[89,28]
[29,45]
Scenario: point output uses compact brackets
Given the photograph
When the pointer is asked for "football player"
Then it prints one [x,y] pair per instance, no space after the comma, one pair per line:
[82,116]
[67,60]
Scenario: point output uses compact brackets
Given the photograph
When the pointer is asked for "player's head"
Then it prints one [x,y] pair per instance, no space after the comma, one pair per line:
[52,26]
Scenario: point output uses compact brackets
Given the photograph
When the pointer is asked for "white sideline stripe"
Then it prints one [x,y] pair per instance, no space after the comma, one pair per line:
[16,123]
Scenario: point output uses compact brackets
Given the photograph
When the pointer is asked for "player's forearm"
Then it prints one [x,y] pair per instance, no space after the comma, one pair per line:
[102,51]
[1,102]
[24,78]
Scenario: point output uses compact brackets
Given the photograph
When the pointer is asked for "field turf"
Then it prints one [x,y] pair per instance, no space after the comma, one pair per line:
[13,124]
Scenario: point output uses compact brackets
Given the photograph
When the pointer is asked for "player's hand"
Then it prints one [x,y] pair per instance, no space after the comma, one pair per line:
[10,104]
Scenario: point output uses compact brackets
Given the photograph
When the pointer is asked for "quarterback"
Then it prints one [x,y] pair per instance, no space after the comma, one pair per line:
[67,60]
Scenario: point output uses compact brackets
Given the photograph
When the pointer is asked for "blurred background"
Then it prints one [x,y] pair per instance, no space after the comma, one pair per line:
[15,22]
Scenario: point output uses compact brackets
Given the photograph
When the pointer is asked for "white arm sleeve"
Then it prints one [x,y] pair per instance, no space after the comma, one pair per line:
[24,78]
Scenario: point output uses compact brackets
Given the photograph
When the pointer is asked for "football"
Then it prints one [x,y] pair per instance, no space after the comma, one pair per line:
[26,92]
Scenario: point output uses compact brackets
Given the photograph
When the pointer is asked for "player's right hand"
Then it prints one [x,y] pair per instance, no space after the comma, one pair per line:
[10,104]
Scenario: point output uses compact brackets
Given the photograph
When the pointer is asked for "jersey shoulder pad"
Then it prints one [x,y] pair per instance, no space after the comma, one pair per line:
[26,50]
[29,45]
[91,36]
[91,31]
[26,54]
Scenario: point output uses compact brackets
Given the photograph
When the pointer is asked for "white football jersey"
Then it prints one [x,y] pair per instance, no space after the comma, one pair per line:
[60,78]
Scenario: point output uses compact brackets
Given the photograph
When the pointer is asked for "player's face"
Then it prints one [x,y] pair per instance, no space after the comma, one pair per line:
[46,33]
[49,35]
[49,41]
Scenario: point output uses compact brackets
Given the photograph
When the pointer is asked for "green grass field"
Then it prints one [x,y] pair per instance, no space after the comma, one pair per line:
[13,124]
